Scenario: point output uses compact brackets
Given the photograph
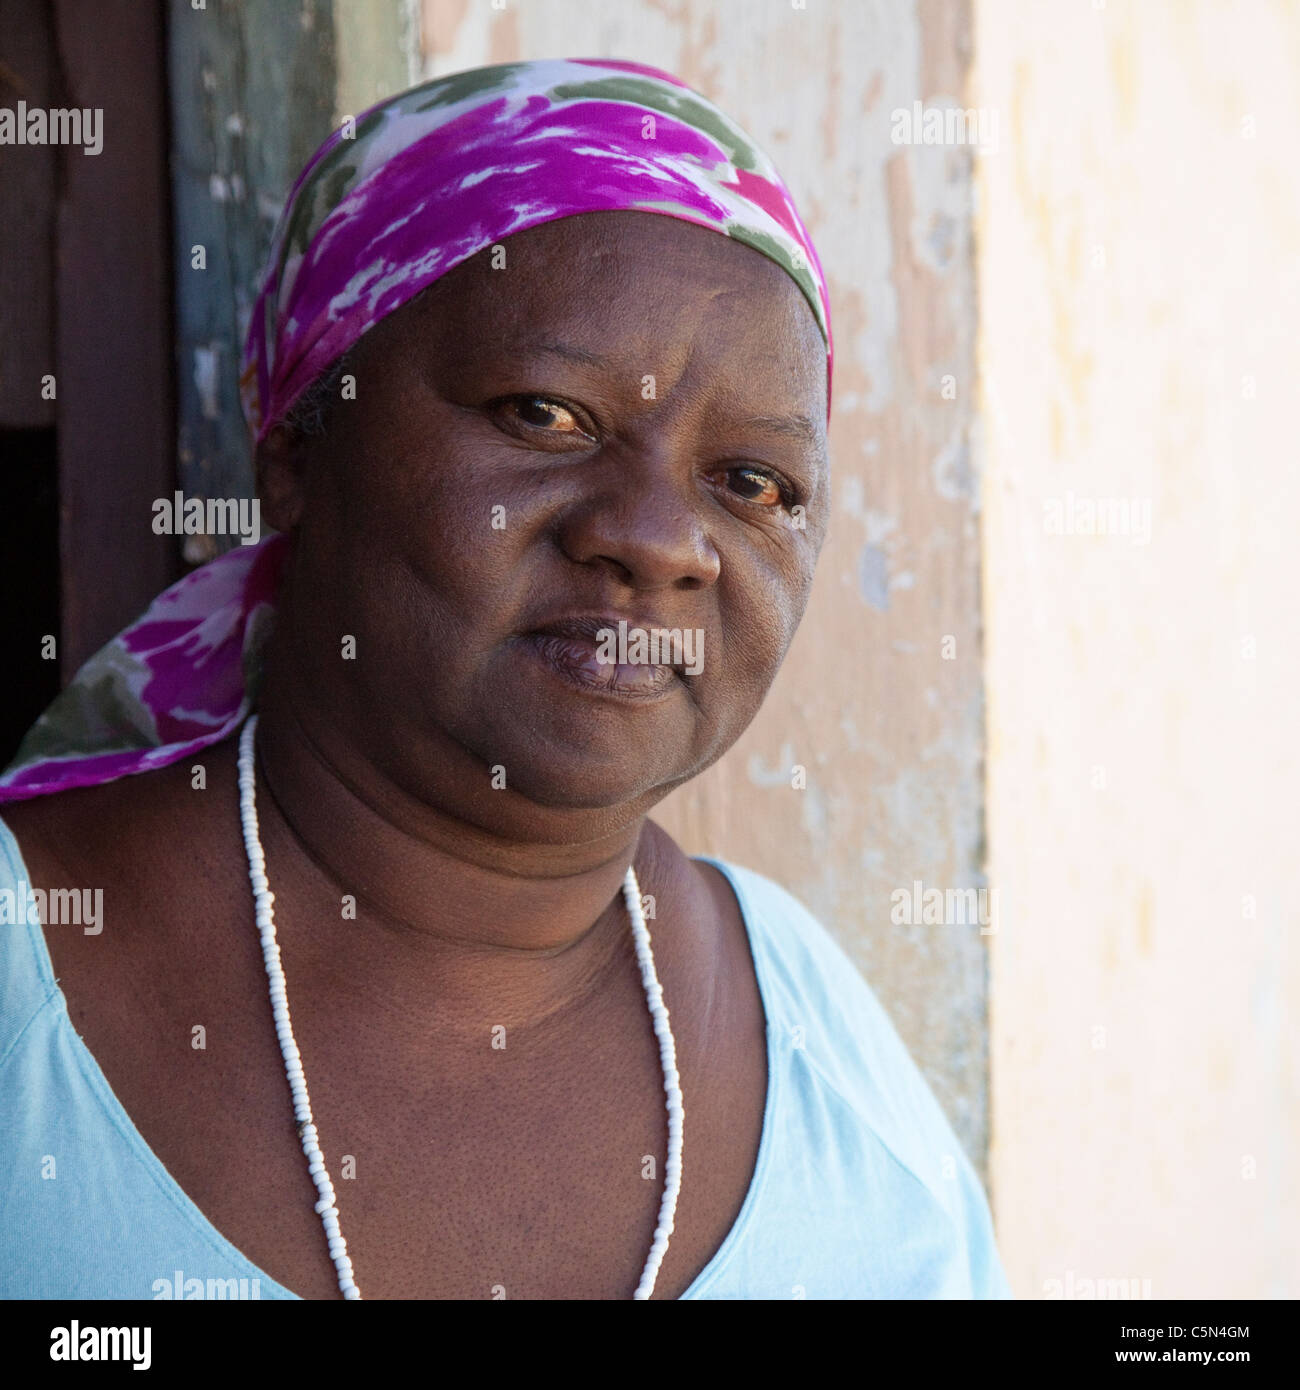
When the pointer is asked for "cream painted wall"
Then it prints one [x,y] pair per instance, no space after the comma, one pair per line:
[376,51]
[888,730]
[1139,280]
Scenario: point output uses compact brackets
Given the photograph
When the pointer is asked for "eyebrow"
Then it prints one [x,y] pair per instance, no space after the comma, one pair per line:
[796,426]
[568,352]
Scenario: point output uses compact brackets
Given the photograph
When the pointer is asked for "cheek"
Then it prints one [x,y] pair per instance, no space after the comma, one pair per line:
[421,497]
[761,600]
[445,552]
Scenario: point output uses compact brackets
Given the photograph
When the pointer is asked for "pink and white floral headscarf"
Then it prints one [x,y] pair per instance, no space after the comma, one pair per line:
[425,180]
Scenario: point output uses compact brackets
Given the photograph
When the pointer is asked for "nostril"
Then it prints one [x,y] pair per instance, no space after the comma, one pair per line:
[617,567]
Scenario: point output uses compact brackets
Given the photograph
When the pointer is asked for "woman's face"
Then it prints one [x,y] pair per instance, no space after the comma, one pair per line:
[625,420]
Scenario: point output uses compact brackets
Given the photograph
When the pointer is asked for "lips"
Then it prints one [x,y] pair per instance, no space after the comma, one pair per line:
[570,648]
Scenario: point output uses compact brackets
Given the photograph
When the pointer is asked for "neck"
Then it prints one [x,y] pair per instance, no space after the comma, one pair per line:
[442,909]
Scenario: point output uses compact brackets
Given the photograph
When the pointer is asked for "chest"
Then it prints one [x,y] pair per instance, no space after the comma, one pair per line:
[505,1165]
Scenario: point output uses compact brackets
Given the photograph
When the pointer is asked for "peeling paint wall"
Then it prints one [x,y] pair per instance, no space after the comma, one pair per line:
[888,728]
[1139,267]
[377,46]
[256,85]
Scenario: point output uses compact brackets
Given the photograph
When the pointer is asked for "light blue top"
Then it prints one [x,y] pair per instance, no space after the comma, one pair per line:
[861,1189]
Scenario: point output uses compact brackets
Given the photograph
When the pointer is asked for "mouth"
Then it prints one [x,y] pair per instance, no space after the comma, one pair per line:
[586,651]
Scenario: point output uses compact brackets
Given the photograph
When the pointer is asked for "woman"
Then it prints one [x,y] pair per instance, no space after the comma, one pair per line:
[541,360]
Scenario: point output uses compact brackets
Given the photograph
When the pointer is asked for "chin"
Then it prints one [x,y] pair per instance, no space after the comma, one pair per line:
[572,781]
[577,752]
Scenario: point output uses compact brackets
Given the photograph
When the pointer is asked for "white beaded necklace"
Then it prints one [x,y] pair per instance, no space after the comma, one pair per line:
[326,1206]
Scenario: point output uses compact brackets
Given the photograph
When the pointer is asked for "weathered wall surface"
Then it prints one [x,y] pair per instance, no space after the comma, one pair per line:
[888,729]
[256,85]
[1138,286]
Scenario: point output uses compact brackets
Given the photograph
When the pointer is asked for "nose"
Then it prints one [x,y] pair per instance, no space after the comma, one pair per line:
[641,524]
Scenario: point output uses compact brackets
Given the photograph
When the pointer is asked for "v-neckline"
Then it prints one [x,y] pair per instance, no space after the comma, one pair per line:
[123,1122]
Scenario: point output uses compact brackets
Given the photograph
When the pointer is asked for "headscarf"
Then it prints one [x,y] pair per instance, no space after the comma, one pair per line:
[388,204]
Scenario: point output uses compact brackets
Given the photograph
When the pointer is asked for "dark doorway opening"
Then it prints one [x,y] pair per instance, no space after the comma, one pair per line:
[29,579]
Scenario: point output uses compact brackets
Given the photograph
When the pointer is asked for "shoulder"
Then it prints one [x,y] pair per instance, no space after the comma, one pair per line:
[812,989]
[81,917]
[841,1042]
[26,980]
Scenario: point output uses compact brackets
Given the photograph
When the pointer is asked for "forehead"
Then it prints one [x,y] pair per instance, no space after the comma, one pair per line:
[637,290]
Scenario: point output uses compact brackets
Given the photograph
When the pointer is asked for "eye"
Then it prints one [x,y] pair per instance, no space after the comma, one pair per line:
[760,487]
[542,414]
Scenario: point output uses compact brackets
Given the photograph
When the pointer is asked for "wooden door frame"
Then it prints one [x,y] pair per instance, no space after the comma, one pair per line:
[113,324]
